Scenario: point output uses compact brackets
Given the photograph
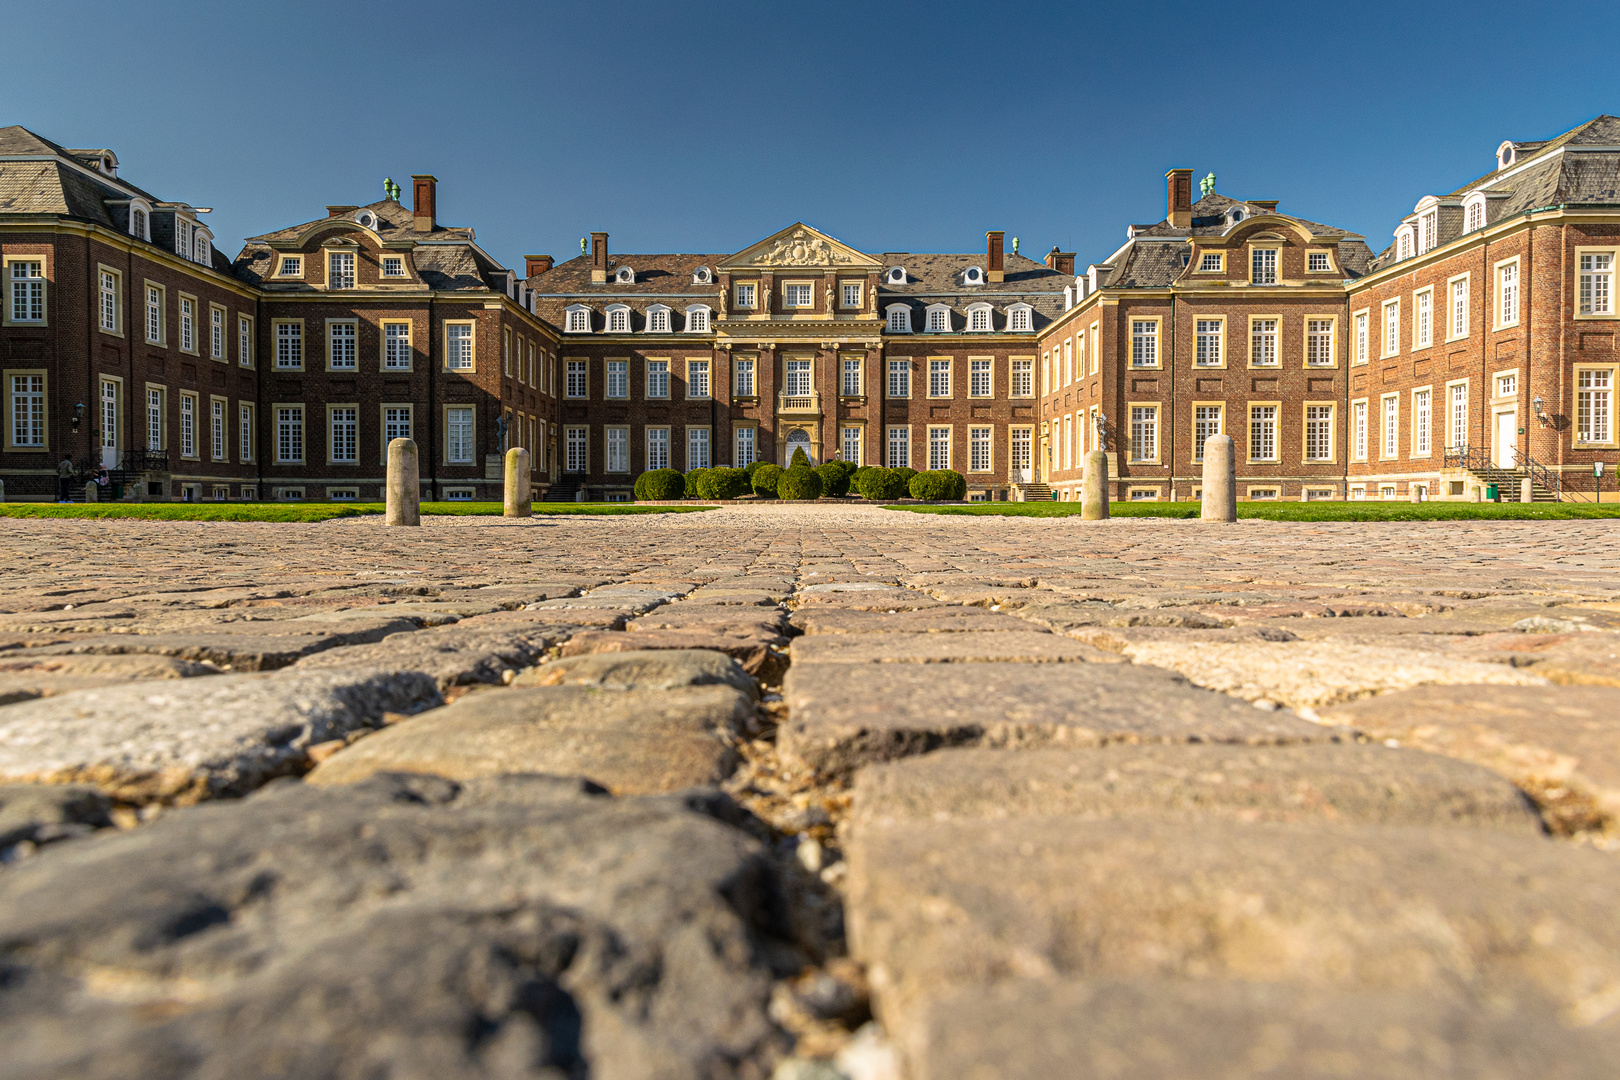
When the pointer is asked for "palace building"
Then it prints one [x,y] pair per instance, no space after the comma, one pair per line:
[1478,347]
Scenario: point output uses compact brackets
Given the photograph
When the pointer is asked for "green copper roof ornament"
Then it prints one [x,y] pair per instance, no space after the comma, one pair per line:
[584,249]
[390,192]
[1015,245]
[1206,186]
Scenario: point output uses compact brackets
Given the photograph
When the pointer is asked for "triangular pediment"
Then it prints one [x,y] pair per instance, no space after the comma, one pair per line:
[800,246]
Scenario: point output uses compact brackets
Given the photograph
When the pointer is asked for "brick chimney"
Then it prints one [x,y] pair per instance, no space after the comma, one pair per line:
[340,211]
[536,264]
[1178,198]
[598,258]
[1267,206]
[992,242]
[424,191]
[1061,261]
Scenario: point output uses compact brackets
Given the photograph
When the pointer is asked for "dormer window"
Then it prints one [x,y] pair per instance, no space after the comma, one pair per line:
[140,218]
[202,246]
[340,270]
[182,237]
[1020,318]
[895,276]
[291,266]
[393,266]
[899,319]
[578,320]
[702,276]
[973,276]
[624,276]
[937,320]
[1506,155]
[1405,242]
[1318,262]
[1427,235]
[697,319]
[1235,216]
[1475,214]
[1210,263]
[618,319]
[658,319]
[978,318]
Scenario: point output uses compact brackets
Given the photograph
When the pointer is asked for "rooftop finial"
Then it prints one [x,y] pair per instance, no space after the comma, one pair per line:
[584,246]
[1015,245]
[1206,186]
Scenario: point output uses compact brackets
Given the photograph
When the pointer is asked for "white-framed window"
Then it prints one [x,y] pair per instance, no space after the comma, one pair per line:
[342,494]
[1067,370]
[618,450]
[216,332]
[697,448]
[1476,215]
[458,435]
[291,266]
[849,444]
[397,424]
[618,378]
[1594,405]
[340,270]
[1319,433]
[1507,385]
[899,319]
[27,291]
[658,378]
[1019,319]
[1263,343]
[1263,266]
[289,345]
[979,318]
[579,319]
[1403,244]
[1392,427]
[458,346]
[1318,262]
[899,379]
[1457,309]
[576,449]
[899,448]
[697,319]
[1207,351]
[1507,293]
[1209,263]
[795,295]
[289,434]
[110,414]
[1262,432]
[852,294]
[743,378]
[746,450]
[574,376]
[396,346]
[657,448]
[154,314]
[1595,287]
[244,340]
[138,224]
[1361,337]
[1386,491]
[939,378]
[1023,378]
[200,248]
[393,266]
[797,378]
[27,411]
[743,294]
[1392,327]
[939,319]
[244,433]
[1144,432]
[1206,425]
[697,379]
[156,405]
[1423,319]
[343,433]
[1319,342]
[979,377]
[188,324]
[939,448]
[1144,343]
[1427,234]
[506,352]
[1358,431]
[850,376]
[980,441]
[1422,417]
[341,353]
[657,319]
[217,448]
[1457,416]
[108,301]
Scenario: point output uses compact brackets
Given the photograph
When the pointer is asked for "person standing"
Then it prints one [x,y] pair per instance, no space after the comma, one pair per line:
[64,479]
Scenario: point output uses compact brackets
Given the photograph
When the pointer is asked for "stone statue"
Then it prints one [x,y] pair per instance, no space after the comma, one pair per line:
[500,430]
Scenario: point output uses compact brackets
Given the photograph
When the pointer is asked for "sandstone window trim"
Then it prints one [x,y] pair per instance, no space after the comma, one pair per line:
[798,295]
[1265,262]
[1209,341]
[110,400]
[1211,262]
[1390,337]
[216,332]
[745,440]
[156,310]
[1096,347]
[576,449]
[1319,427]
[289,266]
[576,378]
[851,376]
[1145,337]
[897,384]
[743,383]
[939,446]
[616,448]
[506,353]
[246,422]
[1458,401]
[1506,382]
[897,446]
[1389,440]
[188,425]
[290,440]
[1319,262]
[1422,436]
[288,335]
[1208,420]
[851,295]
[981,376]
[396,420]
[1594,386]
[1360,429]
[340,269]
[616,385]
[743,294]
[657,448]
[28,412]
[1264,434]
[343,345]
[343,433]
[981,448]
[157,417]
[392,266]
[1265,341]
[188,325]
[698,386]
[460,434]
[1423,318]
[1457,313]
[699,446]
[1021,380]
[1321,344]
[394,345]
[851,439]
[1595,283]
[109,300]
[461,345]
[1362,345]
[1140,493]
[1507,293]
[1143,432]
[244,341]
[656,377]
[939,377]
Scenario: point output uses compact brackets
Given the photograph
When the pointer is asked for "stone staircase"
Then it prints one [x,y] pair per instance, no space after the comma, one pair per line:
[1034,493]
[1508,481]
[563,489]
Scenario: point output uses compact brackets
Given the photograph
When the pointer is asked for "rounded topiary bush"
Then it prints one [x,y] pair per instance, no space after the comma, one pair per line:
[725,483]
[939,485]
[905,476]
[880,484]
[855,477]
[694,482]
[660,485]
[799,482]
[799,458]
[754,467]
[834,478]
[765,480]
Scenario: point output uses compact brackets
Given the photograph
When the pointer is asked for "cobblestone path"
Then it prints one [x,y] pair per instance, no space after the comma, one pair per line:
[809,793]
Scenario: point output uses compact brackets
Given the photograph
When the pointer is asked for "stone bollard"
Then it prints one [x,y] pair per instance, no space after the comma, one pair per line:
[404,484]
[91,491]
[517,483]
[1220,479]
[2,491]
[1476,493]
[1094,488]
[1414,493]
[1526,492]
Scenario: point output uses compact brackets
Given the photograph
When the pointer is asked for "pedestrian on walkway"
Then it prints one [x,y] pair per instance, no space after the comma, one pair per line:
[64,478]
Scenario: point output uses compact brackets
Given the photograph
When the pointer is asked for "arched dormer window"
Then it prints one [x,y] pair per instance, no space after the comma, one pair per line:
[1474,214]
[1405,242]
[1020,318]
[578,319]
[697,319]
[1235,215]
[202,247]
[896,276]
[702,276]
[618,319]
[624,276]
[1506,154]
[658,319]
[366,219]
[937,319]
[979,320]
[140,220]
[973,276]
[899,318]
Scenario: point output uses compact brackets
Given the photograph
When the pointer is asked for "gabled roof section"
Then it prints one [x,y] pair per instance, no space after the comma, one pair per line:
[1602,130]
[799,245]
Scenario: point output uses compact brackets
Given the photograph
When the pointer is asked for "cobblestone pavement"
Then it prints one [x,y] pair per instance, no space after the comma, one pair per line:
[809,793]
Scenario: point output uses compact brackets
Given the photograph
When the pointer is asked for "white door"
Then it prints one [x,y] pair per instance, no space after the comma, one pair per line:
[109,424]
[799,439]
[1021,471]
[1507,440]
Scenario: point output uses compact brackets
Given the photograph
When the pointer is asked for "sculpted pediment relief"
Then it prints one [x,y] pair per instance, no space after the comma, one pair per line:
[800,245]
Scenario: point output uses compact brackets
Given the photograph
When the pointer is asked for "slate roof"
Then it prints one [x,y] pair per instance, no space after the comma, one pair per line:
[939,279]
[669,273]
[1209,219]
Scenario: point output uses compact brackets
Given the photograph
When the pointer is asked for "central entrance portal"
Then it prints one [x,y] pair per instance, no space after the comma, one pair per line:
[798,439]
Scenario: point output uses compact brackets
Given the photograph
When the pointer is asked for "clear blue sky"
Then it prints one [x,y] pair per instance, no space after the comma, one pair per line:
[705,126]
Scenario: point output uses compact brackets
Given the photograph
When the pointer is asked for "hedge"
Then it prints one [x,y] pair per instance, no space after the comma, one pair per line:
[880,485]
[723,483]
[660,485]
[834,477]
[694,482]
[799,458]
[765,480]
[939,485]
[799,482]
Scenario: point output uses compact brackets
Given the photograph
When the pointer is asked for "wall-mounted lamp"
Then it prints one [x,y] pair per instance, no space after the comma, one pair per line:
[1539,406]
[78,415]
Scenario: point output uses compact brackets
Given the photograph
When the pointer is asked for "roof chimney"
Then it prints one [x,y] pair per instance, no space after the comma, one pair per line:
[1061,261]
[424,190]
[1267,206]
[598,258]
[992,243]
[1178,197]
[340,211]
[536,264]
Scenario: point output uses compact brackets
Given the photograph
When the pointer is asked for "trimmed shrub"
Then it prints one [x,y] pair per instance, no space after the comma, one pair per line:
[799,458]
[880,485]
[694,481]
[939,485]
[855,477]
[834,478]
[660,485]
[723,483]
[754,467]
[906,475]
[799,482]
[766,478]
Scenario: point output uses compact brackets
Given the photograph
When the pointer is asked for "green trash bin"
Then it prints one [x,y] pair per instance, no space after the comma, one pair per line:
[1492,494]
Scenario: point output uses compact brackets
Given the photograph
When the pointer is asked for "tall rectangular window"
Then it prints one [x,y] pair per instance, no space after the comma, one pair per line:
[939,448]
[28,410]
[216,430]
[1023,378]
[109,421]
[1392,327]
[458,434]
[852,294]
[979,443]
[458,347]
[1361,338]
[340,345]
[849,445]
[289,345]
[1019,452]
[1459,308]
[1263,432]
[1392,427]
[1424,316]
[1068,361]
[188,325]
[851,369]
[1319,342]
[1096,349]
[396,346]
[290,433]
[618,379]
[27,292]
[697,448]
[244,430]
[396,424]
[154,315]
[216,333]
[697,378]
[797,380]
[1144,432]
[1206,425]
[899,381]
[1144,343]
[745,294]
[1263,266]
[574,379]
[1507,291]
[342,270]
[244,341]
[743,378]
[1594,405]
[344,432]
[618,450]
[154,418]
[979,378]
[1208,351]
[747,451]
[1358,450]
[939,378]
[1459,416]
[109,302]
[576,450]
[1422,406]
[1318,433]
[1597,283]
[899,448]
[657,378]
[1263,343]
[506,351]
[657,448]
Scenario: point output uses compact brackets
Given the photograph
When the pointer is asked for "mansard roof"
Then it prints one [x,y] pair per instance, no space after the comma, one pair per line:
[655,275]
[1210,218]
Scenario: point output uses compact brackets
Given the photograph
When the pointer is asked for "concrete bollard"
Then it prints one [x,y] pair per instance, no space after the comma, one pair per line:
[404,484]
[1220,479]
[517,483]
[1094,488]
[1526,492]
[91,491]
[1414,492]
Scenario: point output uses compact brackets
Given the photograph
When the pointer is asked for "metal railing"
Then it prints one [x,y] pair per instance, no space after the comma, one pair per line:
[1479,460]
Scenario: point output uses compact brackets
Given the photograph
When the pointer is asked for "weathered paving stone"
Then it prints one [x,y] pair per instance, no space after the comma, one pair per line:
[821,619]
[840,718]
[245,646]
[762,621]
[181,741]
[629,741]
[452,656]
[966,647]
[1374,907]
[43,813]
[406,927]
[1157,1029]
[642,670]
[762,657]
[1315,782]
[24,676]
[1561,744]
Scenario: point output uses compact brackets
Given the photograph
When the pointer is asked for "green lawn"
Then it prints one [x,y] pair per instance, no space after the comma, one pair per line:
[306,511]
[1299,511]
